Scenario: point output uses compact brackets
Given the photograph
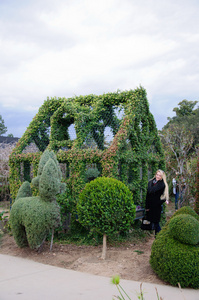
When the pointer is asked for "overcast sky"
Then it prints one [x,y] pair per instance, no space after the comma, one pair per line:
[64,48]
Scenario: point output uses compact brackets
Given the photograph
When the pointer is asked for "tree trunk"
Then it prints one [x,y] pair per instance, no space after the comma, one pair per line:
[51,244]
[104,247]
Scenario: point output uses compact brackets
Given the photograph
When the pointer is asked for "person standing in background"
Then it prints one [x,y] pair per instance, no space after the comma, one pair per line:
[176,189]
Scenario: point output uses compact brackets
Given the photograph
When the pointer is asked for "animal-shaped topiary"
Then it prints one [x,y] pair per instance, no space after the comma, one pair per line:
[175,251]
[33,217]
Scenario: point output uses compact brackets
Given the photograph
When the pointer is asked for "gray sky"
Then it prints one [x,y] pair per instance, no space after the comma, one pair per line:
[64,48]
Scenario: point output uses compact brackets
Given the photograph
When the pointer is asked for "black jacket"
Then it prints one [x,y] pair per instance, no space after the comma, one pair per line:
[153,202]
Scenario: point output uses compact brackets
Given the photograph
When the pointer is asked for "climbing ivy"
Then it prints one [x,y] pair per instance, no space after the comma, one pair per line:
[134,150]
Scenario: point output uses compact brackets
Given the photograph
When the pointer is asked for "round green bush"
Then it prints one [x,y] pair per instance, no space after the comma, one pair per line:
[172,258]
[186,210]
[106,206]
[185,229]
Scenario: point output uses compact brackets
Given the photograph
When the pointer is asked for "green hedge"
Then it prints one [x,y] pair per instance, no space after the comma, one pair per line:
[185,229]
[175,251]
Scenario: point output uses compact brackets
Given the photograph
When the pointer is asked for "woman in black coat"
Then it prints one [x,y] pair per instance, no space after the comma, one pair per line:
[157,194]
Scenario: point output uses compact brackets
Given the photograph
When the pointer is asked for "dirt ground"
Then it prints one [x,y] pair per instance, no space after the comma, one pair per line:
[131,262]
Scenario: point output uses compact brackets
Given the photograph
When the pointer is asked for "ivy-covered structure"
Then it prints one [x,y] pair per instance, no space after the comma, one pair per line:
[132,153]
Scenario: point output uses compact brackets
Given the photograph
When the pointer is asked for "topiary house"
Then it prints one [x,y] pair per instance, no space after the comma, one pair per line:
[132,153]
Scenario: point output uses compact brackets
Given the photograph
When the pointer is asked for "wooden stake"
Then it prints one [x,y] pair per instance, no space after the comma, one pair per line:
[104,247]
[51,244]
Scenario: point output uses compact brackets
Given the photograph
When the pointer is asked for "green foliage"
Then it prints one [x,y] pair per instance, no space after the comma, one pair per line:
[134,150]
[186,210]
[49,183]
[196,204]
[185,229]
[32,218]
[185,108]
[24,190]
[123,294]
[3,128]
[91,174]
[106,206]
[174,260]
[180,137]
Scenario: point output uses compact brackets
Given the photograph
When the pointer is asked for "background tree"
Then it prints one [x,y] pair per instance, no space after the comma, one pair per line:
[185,108]
[3,128]
[180,138]
[196,205]
[187,116]
[5,151]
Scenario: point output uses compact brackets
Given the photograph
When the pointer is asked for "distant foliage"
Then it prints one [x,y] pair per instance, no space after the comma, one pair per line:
[196,204]
[180,138]
[5,151]
[3,128]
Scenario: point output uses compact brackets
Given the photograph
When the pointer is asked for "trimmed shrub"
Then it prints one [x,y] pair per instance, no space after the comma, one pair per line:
[106,206]
[24,190]
[172,258]
[32,218]
[185,229]
[49,183]
[186,210]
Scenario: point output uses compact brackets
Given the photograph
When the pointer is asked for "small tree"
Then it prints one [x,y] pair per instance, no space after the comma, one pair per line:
[5,150]
[178,143]
[3,128]
[106,206]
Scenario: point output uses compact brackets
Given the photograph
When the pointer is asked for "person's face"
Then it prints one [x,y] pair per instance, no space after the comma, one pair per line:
[158,176]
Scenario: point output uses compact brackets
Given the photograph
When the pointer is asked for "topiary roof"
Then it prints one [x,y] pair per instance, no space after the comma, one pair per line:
[91,115]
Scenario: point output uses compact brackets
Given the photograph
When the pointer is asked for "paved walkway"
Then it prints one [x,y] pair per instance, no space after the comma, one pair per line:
[23,279]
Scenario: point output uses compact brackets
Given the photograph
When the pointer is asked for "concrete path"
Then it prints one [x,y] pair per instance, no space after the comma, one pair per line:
[23,279]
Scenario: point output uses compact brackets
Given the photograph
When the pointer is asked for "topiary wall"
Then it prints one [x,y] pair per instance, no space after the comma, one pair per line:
[132,155]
